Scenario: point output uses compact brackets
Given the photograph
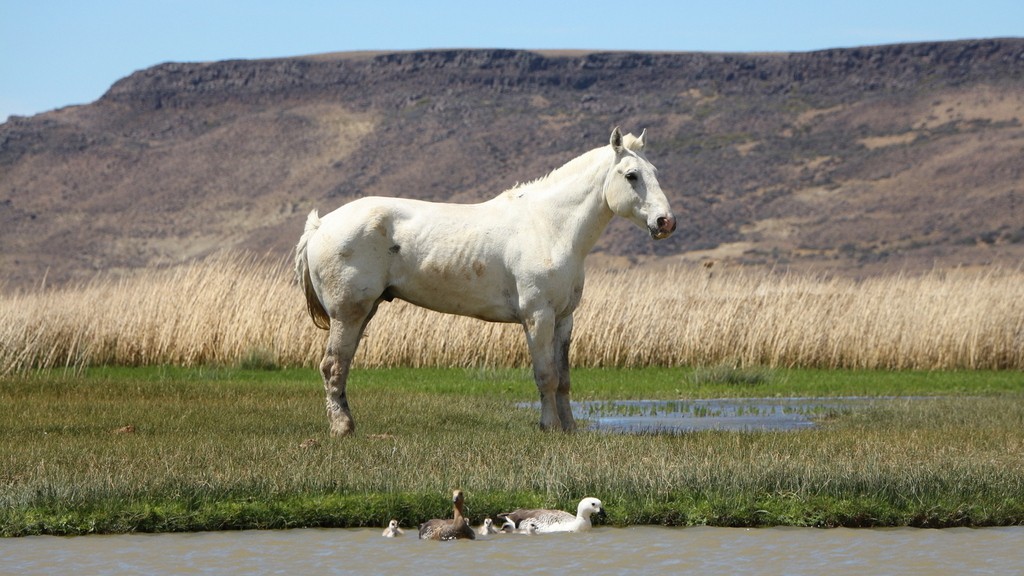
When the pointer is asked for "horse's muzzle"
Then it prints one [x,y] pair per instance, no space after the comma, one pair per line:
[664,227]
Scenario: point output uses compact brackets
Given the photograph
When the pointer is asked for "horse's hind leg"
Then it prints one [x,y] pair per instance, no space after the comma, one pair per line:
[341,348]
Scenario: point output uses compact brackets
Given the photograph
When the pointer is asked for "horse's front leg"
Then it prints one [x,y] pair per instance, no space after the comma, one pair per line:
[563,338]
[540,333]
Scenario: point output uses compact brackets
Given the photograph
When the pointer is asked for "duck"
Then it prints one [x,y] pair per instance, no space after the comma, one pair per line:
[456,528]
[392,530]
[555,520]
[487,528]
[528,526]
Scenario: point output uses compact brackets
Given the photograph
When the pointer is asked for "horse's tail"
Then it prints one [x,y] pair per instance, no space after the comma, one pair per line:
[313,304]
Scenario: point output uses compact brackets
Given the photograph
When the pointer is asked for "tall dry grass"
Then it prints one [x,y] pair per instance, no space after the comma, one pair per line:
[232,308]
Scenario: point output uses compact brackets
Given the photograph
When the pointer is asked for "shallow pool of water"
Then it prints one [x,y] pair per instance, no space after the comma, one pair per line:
[604,550]
[741,414]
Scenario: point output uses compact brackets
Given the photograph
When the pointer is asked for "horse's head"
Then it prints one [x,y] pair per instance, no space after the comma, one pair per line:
[632,190]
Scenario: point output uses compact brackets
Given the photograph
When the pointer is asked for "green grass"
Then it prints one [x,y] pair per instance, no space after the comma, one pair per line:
[221,448]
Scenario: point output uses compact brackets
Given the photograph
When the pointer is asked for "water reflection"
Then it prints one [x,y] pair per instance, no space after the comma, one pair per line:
[604,550]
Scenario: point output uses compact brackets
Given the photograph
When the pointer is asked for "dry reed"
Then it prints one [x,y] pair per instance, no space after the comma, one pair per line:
[229,308]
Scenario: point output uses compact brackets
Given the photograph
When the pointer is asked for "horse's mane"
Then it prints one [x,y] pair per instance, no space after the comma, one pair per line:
[521,188]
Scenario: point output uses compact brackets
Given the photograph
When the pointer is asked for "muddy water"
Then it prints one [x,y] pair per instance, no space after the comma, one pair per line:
[605,550]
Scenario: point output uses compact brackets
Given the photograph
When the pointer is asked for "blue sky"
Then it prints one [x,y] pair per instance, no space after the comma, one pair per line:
[55,53]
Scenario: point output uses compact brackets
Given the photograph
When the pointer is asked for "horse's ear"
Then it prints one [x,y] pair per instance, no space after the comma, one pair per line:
[638,144]
[634,143]
[616,140]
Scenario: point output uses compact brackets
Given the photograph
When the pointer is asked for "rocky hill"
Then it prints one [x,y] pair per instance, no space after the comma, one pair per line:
[857,161]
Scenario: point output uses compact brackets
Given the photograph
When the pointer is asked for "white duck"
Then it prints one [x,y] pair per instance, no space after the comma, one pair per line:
[528,526]
[555,520]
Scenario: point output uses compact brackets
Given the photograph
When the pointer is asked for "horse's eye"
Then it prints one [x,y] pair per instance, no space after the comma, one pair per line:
[631,176]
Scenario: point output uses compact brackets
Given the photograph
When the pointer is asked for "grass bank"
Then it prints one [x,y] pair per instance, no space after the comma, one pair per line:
[167,449]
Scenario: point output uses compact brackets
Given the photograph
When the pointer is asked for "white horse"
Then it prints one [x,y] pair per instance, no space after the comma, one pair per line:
[515,258]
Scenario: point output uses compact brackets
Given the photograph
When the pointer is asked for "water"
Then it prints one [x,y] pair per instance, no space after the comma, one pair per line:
[604,550]
[742,414]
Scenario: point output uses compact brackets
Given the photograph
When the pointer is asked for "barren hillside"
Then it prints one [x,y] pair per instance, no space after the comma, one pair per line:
[856,161]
